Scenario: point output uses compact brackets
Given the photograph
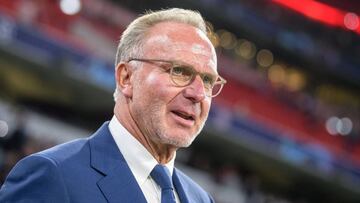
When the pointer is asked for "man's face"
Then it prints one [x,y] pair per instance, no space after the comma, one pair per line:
[164,112]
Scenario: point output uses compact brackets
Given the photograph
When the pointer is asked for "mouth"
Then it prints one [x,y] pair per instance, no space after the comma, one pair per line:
[184,115]
[184,118]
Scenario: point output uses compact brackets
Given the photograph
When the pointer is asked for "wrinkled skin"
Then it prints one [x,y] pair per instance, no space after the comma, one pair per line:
[149,102]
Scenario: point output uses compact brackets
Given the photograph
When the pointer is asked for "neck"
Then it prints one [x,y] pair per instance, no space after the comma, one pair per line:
[163,153]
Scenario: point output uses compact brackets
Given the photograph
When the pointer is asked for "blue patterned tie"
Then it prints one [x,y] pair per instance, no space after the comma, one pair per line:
[162,177]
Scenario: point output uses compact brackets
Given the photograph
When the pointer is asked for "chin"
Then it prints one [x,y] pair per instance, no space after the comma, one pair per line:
[179,140]
[178,136]
[179,143]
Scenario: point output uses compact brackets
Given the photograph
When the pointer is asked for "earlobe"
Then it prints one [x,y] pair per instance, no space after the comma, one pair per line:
[123,79]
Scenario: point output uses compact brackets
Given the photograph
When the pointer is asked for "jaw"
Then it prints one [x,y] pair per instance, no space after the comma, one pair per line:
[179,131]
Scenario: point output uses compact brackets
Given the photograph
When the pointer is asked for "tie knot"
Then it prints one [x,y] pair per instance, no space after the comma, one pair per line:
[162,177]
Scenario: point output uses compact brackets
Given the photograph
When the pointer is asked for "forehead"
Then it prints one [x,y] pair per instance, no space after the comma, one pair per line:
[181,42]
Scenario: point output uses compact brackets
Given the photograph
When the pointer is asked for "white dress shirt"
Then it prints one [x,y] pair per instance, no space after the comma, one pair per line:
[140,161]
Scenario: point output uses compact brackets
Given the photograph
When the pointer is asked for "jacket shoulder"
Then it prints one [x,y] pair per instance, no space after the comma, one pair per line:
[65,152]
[34,177]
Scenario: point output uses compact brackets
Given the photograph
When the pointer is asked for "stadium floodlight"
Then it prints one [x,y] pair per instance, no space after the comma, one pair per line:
[70,7]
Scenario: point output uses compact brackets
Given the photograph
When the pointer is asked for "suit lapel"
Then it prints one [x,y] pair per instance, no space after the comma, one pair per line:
[118,183]
[180,187]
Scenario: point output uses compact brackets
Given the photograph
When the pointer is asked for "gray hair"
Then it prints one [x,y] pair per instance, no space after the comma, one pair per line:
[132,38]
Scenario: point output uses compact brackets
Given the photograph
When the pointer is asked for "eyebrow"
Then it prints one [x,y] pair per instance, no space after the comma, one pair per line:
[187,64]
[173,61]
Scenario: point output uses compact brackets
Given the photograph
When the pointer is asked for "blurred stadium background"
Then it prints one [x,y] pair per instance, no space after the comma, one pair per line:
[285,129]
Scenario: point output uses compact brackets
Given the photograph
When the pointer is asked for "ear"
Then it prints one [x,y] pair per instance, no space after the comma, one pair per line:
[123,75]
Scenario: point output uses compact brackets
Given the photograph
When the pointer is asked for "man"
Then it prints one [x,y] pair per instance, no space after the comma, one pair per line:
[166,76]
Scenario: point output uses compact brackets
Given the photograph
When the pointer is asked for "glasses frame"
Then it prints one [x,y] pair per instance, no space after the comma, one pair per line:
[218,81]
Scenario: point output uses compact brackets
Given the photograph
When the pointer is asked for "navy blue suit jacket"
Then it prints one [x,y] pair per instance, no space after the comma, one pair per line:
[85,170]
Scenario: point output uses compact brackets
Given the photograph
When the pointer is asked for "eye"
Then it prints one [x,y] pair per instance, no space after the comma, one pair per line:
[181,74]
[208,80]
[182,71]
[177,70]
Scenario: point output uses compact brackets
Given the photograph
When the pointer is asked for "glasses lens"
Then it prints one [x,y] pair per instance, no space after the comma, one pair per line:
[208,80]
[216,89]
[181,75]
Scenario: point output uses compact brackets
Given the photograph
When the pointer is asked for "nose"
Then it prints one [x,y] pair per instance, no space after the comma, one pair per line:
[195,91]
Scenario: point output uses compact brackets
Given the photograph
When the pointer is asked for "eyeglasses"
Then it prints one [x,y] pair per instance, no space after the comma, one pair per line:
[183,74]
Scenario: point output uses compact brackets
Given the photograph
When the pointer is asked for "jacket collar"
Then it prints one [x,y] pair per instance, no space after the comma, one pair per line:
[179,184]
[118,183]
[118,180]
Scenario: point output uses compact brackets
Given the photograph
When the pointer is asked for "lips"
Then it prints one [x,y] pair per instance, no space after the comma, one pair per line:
[184,115]
[184,118]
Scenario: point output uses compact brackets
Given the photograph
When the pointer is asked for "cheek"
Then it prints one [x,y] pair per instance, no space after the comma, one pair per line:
[159,86]
[151,79]
[153,90]
[147,85]
[205,108]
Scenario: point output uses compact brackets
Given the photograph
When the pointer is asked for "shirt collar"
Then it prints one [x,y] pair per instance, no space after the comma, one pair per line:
[139,159]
